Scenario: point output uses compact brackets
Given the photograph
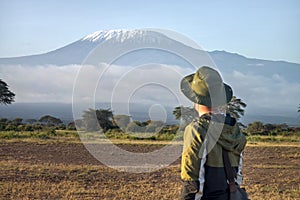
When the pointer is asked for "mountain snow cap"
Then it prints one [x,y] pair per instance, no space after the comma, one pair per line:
[119,34]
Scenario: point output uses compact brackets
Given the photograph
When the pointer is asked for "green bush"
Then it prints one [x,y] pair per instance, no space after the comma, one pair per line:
[116,134]
[135,127]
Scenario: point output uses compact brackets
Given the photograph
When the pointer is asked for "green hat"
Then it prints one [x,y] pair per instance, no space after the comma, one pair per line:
[206,87]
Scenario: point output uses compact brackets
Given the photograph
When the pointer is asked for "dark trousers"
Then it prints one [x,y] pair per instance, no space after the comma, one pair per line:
[190,188]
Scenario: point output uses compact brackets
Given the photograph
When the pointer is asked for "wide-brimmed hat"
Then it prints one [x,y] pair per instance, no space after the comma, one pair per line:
[206,87]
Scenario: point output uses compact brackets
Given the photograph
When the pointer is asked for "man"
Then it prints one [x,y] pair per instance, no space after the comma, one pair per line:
[202,168]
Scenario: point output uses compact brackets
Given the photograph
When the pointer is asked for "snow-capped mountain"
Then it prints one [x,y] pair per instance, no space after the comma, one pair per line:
[124,36]
[114,40]
[111,40]
[268,87]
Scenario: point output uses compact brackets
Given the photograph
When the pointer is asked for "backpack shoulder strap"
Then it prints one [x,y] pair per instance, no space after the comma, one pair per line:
[230,175]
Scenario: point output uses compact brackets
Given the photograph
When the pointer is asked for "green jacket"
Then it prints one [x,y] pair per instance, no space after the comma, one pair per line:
[204,139]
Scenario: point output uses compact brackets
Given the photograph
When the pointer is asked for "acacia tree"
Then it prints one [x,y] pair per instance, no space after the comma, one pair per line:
[122,121]
[50,120]
[256,127]
[106,119]
[6,96]
[234,108]
[187,114]
[96,119]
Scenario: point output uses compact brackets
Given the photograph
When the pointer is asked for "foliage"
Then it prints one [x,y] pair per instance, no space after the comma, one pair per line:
[258,128]
[186,114]
[44,134]
[90,120]
[71,126]
[50,120]
[30,121]
[122,121]
[17,121]
[235,108]
[169,129]
[121,126]
[276,139]
[255,128]
[46,123]
[6,96]
[96,119]
[24,134]
[135,126]
[145,127]
[105,119]
[116,134]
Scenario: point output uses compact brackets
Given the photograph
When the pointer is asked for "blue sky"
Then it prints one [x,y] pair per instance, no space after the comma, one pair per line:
[259,29]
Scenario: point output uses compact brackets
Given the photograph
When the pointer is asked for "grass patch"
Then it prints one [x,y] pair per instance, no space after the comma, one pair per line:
[25,134]
[45,134]
[273,139]
[265,166]
[121,137]
[32,181]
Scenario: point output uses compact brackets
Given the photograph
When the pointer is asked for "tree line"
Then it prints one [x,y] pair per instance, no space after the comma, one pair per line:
[268,129]
[46,122]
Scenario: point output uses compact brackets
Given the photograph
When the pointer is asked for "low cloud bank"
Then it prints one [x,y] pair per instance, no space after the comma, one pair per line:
[151,83]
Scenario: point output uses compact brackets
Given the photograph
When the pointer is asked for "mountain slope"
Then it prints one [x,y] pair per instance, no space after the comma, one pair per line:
[229,62]
[113,40]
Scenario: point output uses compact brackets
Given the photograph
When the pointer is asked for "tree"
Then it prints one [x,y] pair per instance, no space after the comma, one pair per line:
[96,119]
[122,121]
[106,119]
[49,120]
[17,121]
[6,96]
[256,127]
[30,121]
[135,127]
[71,126]
[269,127]
[235,108]
[299,108]
[90,120]
[3,123]
[154,126]
[186,114]
[79,124]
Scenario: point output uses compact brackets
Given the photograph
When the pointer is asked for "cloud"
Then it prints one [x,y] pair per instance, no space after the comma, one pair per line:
[151,84]
[102,83]
[256,64]
[40,83]
[272,92]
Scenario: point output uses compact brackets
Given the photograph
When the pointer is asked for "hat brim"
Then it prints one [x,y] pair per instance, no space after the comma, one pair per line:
[217,96]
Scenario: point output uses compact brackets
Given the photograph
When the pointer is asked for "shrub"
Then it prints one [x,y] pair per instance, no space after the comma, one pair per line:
[135,127]
[116,134]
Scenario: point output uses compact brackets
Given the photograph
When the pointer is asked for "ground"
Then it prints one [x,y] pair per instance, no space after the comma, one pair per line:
[65,170]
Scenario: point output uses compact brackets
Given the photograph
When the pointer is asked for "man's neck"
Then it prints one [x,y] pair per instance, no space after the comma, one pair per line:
[202,110]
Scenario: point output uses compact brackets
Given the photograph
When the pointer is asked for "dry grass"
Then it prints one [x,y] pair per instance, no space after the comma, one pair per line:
[271,171]
[27,181]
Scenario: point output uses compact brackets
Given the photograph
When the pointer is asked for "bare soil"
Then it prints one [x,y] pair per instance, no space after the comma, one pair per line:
[32,170]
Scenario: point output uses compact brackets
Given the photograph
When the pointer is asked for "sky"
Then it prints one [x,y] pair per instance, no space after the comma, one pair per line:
[264,29]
